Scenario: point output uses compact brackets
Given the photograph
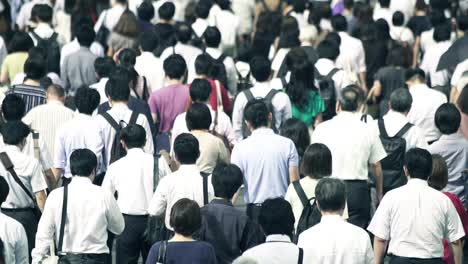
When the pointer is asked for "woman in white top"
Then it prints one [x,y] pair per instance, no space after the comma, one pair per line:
[288,39]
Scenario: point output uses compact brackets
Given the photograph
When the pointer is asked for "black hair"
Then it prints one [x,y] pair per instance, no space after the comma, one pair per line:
[442,32]
[121,1]
[183,32]
[165,33]
[203,64]
[85,35]
[202,10]
[439,4]
[148,41]
[200,90]
[256,113]
[462,22]
[276,217]
[212,37]
[384,3]
[398,19]
[299,6]
[224,4]
[399,56]
[43,12]
[186,148]
[339,23]
[175,67]
[260,67]
[301,81]
[462,101]
[298,132]
[146,11]
[13,108]
[79,21]
[134,136]
[104,66]
[166,11]
[14,132]
[447,119]
[35,67]
[82,162]
[226,180]
[86,100]
[4,190]
[117,90]
[349,100]
[418,162]
[437,17]
[330,194]
[289,33]
[328,49]
[69,6]
[198,117]
[383,29]
[348,4]
[127,58]
[21,42]
[45,82]
[317,161]
[333,37]
[185,217]
[401,100]
[415,73]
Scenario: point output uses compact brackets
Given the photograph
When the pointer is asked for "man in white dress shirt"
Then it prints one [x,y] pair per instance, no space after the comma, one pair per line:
[12,234]
[277,220]
[425,104]
[202,10]
[432,56]
[134,193]
[91,213]
[186,182]
[103,67]
[111,16]
[416,218]
[147,64]
[399,32]
[354,146]
[333,240]
[24,15]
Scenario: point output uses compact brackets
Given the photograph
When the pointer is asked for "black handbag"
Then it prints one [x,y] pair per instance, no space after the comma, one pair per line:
[102,35]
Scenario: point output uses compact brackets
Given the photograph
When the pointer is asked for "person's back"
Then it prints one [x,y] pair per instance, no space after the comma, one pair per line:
[433,54]
[147,64]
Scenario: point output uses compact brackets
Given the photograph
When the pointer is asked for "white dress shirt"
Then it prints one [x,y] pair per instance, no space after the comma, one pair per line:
[340,78]
[277,249]
[47,118]
[422,113]
[110,17]
[132,178]
[245,11]
[199,26]
[227,23]
[74,46]
[29,171]
[121,112]
[416,218]
[281,104]
[394,122]
[404,6]
[78,133]
[352,58]
[431,60]
[186,182]
[15,242]
[45,31]
[91,213]
[335,241]
[402,35]
[384,13]
[427,39]
[461,68]
[100,86]
[352,143]
[151,68]
[188,52]
[24,15]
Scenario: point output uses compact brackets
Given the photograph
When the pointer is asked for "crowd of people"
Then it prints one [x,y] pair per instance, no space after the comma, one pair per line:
[130,128]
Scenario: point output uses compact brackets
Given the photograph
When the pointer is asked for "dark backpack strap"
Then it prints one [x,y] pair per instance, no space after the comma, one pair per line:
[248,95]
[364,118]
[221,58]
[162,252]
[382,129]
[283,82]
[403,130]
[111,121]
[270,95]
[265,6]
[279,8]
[301,256]
[133,118]
[5,160]
[156,171]
[64,218]
[300,192]
[331,73]
[205,187]
[36,36]
[53,37]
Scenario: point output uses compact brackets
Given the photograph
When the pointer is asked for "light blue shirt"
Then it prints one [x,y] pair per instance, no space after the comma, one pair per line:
[265,158]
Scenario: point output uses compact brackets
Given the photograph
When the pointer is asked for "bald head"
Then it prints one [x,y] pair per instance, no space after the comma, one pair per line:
[55,92]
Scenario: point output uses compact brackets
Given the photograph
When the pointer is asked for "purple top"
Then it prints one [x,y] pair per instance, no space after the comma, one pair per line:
[168,103]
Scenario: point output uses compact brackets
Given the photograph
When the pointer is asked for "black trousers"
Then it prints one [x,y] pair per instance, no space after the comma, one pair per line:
[402,260]
[132,242]
[253,211]
[83,259]
[359,201]
[29,221]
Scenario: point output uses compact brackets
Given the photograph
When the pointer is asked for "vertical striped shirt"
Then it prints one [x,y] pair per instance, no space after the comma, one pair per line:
[32,95]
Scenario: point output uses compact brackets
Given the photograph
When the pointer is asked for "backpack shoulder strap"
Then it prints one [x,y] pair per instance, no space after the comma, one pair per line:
[331,73]
[270,95]
[403,130]
[6,162]
[248,94]
[364,118]
[283,82]
[221,58]
[156,171]
[53,37]
[111,121]
[63,219]
[265,6]
[36,36]
[300,259]
[133,118]
[382,129]
[300,192]
[205,187]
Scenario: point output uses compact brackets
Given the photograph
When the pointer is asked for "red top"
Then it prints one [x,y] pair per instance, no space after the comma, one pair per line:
[224,96]
[464,219]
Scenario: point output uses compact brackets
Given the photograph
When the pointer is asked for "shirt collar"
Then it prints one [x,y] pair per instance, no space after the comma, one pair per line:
[263,131]
[278,238]
[221,201]
[395,115]
[54,102]
[191,167]
[417,182]
[134,151]
[80,180]
[12,148]
[419,86]
[454,136]
[346,114]
[331,218]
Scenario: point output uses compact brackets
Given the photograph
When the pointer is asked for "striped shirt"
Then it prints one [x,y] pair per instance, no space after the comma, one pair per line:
[32,95]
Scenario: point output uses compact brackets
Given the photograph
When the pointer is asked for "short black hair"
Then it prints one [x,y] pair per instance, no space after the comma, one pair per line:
[203,64]
[175,67]
[462,22]
[133,135]
[4,190]
[82,162]
[86,100]
[399,56]
[202,10]
[384,3]
[224,4]
[198,117]
[43,12]
[212,37]
[418,162]
[256,113]
[398,19]
[35,67]
[437,17]
[415,73]
[260,68]
[85,35]
[276,217]
[339,23]
[317,161]
[183,32]
[226,180]
[117,90]
[119,74]
[447,119]
[349,100]
[333,37]
[145,11]
[104,66]
[166,11]
[330,194]
[21,42]
[442,32]
[200,90]
[401,100]
[14,132]
[328,49]
[186,148]
[127,58]
[13,108]
[148,41]
[185,217]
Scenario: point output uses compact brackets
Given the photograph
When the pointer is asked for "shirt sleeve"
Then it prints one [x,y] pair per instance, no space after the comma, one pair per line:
[223,153]
[293,157]
[164,168]
[369,251]
[45,158]
[237,116]
[60,159]
[37,179]
[108,182]
[152,103]
[361,59]
[380,223]
[454,228]
[46,228]
[158,203]
[5,69]
[377,152]
[21,245]
[114,217]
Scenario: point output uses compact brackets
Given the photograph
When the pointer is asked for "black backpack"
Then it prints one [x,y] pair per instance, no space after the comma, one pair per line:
[218,70]
[117,150]
[267,99]
[243,83]
[392,165]
[310,215]
[327,92]
[52,49]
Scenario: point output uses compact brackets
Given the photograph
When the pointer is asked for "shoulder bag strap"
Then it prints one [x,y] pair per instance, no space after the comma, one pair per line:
[219,97]
[37,151]
[156,171]
[382,129]
[111,121]
[284,82]
[205,187]
[133,118]
[403,130]
[364,118]
[5,160]
[54,37]
[301,256]
[265,6]
[270,95]
[64,218]
[331,73]
[300,192]
[162,252]
[36,36]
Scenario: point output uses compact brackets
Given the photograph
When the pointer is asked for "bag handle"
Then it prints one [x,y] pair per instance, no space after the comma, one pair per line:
[301,256]
[64,217]
[300,192]
[6,162]
[205,187]
[219,98]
